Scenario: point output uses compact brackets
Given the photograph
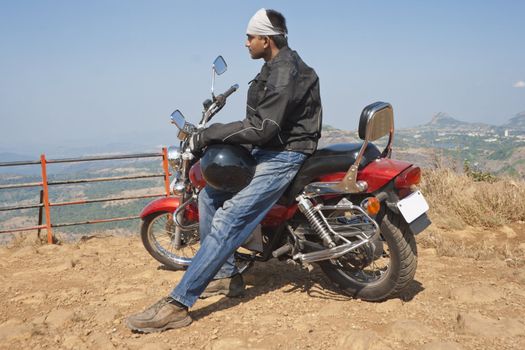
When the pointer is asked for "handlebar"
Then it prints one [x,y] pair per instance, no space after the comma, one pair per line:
[221,99]
[218,102]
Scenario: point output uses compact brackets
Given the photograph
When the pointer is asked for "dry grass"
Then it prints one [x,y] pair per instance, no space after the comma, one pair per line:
[480,249]
[458,204]
[456,200]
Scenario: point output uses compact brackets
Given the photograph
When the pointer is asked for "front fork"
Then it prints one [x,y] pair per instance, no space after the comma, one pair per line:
[187,197]
[176,238]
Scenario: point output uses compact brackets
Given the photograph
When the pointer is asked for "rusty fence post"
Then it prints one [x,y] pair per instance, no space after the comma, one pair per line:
[166,170]
[40,213]
[43,163]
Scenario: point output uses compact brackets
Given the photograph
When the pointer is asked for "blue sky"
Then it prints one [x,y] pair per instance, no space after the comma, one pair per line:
[106,72]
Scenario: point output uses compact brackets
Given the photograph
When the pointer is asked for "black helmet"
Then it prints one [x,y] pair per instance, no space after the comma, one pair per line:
[227,167]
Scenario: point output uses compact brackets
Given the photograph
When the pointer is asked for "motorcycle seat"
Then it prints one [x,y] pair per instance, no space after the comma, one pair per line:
[327,160]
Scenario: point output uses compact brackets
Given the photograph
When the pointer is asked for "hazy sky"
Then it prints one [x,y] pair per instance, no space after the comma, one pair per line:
[101,72]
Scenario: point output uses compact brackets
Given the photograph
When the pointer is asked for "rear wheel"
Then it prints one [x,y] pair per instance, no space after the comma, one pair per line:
[387,274]
[158,236]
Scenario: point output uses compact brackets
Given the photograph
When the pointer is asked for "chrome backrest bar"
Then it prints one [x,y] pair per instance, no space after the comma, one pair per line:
[377,120]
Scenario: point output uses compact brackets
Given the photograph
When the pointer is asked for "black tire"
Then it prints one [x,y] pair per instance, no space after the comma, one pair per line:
[400,248]
[156,232]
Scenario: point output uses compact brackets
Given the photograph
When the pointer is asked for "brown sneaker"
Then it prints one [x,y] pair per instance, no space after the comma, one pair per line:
[231,287]
[158,317]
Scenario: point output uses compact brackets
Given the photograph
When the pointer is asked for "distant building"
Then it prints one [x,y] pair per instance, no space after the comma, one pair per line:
[506,133]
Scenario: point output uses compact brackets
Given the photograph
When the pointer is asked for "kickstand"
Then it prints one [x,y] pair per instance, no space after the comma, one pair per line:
[244,262]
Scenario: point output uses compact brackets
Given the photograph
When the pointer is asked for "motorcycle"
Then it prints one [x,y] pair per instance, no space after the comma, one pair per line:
[350,209]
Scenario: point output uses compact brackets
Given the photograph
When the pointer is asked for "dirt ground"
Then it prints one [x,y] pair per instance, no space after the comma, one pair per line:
[76,296]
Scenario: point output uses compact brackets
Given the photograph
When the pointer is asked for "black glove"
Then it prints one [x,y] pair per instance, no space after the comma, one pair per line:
[196,144]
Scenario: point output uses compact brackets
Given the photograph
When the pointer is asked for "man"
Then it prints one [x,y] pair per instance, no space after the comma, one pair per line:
[283,123]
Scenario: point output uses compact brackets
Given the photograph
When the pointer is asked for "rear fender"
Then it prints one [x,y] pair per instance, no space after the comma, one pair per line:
[376,173]
[381,171]
[169,204]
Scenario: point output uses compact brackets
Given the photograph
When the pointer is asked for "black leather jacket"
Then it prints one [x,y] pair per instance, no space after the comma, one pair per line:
[283,110]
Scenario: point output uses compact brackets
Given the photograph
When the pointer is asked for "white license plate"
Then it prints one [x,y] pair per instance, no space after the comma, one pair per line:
[413,206]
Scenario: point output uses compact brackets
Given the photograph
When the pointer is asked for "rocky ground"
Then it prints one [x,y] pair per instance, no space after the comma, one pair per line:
[76,296]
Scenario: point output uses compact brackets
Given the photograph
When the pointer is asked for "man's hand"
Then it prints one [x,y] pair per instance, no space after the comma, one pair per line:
[196,144]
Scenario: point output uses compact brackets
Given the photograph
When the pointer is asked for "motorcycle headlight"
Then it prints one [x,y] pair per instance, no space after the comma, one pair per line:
[174,157]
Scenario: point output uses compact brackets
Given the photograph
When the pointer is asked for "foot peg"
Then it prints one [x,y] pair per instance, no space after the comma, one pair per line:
[287,248]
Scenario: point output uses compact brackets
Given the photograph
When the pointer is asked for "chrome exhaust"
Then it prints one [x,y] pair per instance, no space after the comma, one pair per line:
[327,254]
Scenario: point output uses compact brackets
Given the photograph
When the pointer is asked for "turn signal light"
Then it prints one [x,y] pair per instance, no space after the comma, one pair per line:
[409,177]
[373,206]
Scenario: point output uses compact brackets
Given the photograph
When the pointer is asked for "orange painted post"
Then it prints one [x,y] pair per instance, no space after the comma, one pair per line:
[43,163]
[166,170]
[40,212]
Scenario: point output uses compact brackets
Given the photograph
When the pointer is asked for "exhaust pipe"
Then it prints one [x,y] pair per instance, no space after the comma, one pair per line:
[327,254]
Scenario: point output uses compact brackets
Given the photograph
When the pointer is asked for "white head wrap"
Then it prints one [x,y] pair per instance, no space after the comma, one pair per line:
[260,25]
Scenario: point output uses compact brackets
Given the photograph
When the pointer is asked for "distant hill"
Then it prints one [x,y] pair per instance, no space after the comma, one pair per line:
[443,119]
[517,122]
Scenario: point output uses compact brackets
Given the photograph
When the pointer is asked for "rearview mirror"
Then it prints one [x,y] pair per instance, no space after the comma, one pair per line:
[219,65]
[178,119]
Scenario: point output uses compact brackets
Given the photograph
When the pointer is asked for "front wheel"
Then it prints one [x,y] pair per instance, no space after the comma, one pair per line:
[158,236]
[387,274]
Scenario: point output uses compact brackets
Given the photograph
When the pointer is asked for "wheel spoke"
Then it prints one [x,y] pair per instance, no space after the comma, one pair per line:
[161,233]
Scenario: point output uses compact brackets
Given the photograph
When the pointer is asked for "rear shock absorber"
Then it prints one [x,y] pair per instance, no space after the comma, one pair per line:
[314,218]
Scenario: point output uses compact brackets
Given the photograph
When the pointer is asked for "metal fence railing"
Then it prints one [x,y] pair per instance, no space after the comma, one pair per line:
[45,205]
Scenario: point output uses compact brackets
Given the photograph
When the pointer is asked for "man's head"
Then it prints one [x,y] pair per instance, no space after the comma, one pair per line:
[266,34]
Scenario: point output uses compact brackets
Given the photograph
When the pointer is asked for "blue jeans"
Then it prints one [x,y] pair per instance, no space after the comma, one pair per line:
[228,220]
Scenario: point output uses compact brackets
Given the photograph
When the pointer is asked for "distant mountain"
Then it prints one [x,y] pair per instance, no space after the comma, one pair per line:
[517,122]
[444,120]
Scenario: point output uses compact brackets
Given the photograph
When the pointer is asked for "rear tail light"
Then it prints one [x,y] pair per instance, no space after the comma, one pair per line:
[409,177]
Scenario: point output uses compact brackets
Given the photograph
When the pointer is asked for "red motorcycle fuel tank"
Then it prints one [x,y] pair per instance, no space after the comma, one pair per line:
[196,178]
